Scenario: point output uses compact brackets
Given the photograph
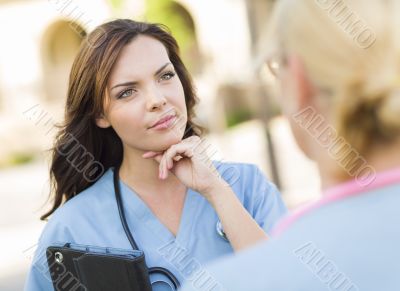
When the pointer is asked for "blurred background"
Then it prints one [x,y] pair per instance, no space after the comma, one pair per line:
[39,39]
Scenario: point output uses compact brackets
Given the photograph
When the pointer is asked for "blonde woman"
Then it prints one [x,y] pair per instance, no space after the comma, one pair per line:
[338,64]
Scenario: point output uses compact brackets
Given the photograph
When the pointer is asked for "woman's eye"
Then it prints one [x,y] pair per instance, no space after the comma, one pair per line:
[167,76]
[126,93]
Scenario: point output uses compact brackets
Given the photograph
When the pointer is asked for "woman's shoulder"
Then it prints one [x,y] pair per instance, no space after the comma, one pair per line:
[88,198]
[259,196]
[225,168]
[79,208]
[248,181]
[244,174]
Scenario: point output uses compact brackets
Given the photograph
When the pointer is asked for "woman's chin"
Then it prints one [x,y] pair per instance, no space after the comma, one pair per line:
[165,143]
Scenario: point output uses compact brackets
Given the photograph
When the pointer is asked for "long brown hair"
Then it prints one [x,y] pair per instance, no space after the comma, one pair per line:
[82,150]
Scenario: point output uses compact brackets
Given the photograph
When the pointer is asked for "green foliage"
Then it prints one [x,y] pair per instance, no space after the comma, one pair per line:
[116,4]
[175,17]
[15,159]
[238,116]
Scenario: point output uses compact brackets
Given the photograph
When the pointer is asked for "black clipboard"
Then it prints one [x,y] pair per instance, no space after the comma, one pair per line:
[84,268]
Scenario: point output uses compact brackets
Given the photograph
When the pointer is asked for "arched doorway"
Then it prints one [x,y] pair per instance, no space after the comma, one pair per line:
[60,44]
[181,23]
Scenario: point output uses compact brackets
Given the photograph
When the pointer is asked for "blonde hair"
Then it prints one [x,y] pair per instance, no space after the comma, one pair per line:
[351,49]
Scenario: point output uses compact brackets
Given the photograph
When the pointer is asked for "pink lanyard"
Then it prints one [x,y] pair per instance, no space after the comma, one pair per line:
[337,193]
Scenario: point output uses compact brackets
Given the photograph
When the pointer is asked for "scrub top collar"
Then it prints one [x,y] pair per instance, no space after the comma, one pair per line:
[133,202]
[340,192]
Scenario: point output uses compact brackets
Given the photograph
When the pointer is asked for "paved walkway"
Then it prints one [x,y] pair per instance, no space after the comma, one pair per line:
[23,191]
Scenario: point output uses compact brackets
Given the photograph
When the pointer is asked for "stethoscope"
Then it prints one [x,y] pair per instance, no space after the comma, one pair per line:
[220,230]
[152,270]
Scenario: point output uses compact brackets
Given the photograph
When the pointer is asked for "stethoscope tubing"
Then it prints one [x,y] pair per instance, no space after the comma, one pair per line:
[129,235]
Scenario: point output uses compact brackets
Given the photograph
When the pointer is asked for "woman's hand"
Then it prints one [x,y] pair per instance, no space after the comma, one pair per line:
[189,162]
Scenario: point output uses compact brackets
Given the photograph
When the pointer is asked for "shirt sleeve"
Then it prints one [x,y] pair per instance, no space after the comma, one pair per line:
[39,276]
[265,203]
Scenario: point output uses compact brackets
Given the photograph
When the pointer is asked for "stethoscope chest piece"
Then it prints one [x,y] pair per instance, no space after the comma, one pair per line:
[220,230]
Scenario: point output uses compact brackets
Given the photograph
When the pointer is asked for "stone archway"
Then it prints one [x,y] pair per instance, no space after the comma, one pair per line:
[181,23]
[60,45]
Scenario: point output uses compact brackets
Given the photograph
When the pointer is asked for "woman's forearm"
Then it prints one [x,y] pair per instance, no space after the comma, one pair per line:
[240,228]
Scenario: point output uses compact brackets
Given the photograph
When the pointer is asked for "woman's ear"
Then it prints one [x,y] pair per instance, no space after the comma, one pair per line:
[102,121]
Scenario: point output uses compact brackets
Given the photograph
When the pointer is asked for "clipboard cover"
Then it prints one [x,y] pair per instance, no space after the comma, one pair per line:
[86,268]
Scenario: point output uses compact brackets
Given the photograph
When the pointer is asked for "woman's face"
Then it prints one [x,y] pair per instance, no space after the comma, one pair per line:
[142,91]
[297,94]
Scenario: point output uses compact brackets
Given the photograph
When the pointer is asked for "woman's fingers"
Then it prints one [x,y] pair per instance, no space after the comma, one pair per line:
[160,172]
[163,172]
[177,158]
[159,157]
[175,153]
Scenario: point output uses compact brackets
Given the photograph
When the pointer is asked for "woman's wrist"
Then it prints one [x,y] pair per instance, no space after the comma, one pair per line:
[216,190]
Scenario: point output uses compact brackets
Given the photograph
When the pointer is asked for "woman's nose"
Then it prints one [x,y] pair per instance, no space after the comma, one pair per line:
[155,99]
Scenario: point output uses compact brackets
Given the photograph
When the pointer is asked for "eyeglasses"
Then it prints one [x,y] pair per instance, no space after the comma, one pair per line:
[271,68]
[276,64]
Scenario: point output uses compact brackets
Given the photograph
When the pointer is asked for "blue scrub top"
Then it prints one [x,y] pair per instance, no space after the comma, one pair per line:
[349,244]
[91,218]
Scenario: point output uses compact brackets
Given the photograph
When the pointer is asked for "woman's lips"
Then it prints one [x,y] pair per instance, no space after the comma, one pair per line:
[164,123]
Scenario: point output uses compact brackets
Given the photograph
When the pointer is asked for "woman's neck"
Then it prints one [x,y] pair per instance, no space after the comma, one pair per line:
[142,174]
[381,158]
